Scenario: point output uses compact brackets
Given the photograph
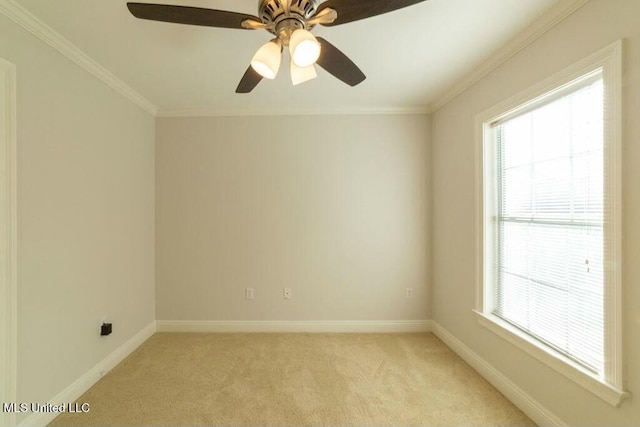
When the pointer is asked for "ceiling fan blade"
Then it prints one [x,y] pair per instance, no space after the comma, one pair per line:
[354,10]
[249,81]
[190,15]
[338,64]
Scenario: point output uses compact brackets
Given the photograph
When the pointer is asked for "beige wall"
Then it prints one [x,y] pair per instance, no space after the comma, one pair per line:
[596,25]
[339,208]
[85,216]
[334,207]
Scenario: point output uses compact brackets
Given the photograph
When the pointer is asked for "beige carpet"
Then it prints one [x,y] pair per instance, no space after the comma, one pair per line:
[294,380]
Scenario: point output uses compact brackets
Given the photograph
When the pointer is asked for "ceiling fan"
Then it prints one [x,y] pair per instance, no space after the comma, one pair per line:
[290,21]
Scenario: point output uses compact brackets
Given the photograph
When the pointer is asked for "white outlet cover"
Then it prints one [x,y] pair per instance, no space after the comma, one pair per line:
[287,293]
[249,293]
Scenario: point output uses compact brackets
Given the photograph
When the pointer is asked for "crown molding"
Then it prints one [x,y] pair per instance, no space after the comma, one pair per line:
[546,22]
[29,22]
[210,112]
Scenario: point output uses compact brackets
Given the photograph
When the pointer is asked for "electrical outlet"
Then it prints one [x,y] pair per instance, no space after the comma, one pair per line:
[287,293]
[105,327]
[409,293]
[248,293]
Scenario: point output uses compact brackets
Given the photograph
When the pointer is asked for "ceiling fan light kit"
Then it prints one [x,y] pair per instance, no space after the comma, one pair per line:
[304,48]
[267,59]
[302,74]
[291,21]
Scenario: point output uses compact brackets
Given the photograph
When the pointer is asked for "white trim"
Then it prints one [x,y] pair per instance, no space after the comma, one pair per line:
[609,59]
[612,70]
[86,381]
[549,20]
[205,112]
[262,326]
[29,22]
[607,392]
[534,410]
[8,237]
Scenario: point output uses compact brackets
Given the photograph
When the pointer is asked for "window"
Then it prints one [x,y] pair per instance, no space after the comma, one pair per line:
[549,278]
[549,223]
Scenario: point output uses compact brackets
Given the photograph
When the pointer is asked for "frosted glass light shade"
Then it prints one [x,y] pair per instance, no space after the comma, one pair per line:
[304,48]
[302,74]
[267,59]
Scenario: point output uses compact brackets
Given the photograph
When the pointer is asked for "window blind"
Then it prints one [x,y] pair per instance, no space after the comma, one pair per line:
[550,223]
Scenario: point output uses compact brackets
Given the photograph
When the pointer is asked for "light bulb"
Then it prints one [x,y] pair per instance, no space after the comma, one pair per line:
[266,61]
[302,74]
[304,48]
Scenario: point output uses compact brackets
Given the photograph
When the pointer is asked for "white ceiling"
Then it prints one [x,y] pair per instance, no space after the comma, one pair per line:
[411,57]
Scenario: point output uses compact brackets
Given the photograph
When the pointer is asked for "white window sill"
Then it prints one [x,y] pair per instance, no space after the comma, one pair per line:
[605,391]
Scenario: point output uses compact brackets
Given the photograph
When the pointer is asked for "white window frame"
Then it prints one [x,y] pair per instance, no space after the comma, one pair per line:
[609,386]
[8,240]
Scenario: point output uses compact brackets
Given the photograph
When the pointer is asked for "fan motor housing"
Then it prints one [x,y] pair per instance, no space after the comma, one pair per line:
[286,14]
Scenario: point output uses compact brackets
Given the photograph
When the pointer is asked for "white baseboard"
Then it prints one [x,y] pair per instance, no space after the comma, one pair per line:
[534,410]
[82,384]
[223,326]
[515,394]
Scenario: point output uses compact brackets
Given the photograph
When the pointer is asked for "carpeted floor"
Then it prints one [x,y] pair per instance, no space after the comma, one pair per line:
[294,380]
